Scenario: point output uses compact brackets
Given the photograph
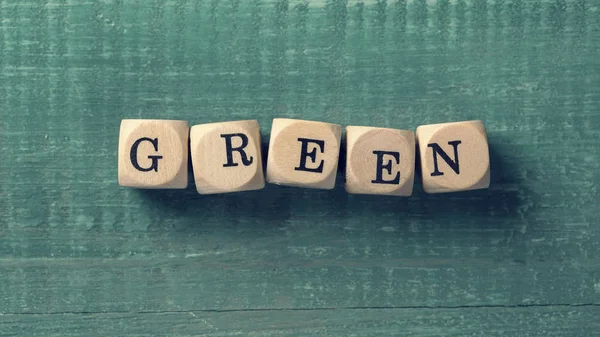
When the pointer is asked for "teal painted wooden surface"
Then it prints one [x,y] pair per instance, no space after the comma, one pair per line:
[79,254]
[525,322]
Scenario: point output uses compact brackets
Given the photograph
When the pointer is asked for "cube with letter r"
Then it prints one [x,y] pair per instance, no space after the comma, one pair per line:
[454,156]
[226,157]
[303,153]
[153,153]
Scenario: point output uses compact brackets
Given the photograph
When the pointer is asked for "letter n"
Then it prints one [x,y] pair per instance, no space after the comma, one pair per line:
[437,150]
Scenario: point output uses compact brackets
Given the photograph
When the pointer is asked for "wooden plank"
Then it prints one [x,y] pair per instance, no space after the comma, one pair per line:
[460,322]
[265,273]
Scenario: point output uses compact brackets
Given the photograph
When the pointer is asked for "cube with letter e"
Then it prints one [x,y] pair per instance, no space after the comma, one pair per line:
[303,153]
[380,161]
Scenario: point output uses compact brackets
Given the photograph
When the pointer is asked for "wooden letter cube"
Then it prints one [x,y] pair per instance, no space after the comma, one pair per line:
[153,153]
[303,153]
[380,161]
[226,157]
[454,156]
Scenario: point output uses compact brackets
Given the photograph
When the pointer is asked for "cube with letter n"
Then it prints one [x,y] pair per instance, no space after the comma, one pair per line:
[454,156]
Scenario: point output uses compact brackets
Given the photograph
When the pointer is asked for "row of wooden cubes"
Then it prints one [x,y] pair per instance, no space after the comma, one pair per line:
[226,157]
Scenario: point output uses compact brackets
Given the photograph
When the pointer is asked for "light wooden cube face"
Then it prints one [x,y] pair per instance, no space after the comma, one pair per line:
[226,157]
[380,161]
[303,153]
[454,156]
[153,153]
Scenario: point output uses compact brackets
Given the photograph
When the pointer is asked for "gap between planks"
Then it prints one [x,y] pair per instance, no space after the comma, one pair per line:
[458,307]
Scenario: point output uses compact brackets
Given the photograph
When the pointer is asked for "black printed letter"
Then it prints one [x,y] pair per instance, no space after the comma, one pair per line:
[452,163]
[229,148]
[133,155]
[312,155]
[387,167]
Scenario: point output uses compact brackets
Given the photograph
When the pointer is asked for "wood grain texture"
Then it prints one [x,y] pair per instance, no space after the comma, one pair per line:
[76,246]
[519,322]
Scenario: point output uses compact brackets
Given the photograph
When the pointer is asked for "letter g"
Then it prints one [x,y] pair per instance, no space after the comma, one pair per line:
[133,155]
